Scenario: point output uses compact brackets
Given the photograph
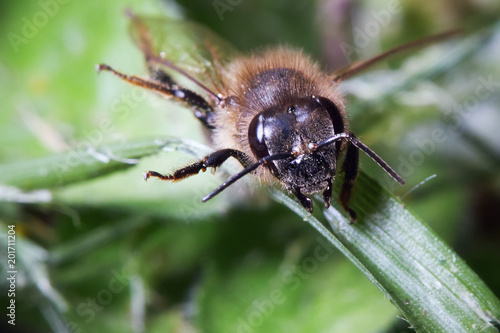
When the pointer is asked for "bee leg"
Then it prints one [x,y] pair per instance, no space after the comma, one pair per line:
[351,172]
[163,83]
[213,160]
[200,107]
[304,201]
[161,76]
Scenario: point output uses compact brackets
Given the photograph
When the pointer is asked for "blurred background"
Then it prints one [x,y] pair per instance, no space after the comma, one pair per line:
[116,254]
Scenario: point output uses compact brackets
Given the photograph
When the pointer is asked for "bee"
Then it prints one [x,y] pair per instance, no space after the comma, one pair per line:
[276,112]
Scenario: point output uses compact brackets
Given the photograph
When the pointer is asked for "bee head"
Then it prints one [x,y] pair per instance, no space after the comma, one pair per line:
[297,127]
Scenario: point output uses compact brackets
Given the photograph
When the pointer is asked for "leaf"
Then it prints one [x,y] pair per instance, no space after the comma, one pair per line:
[74,166]
[422,276]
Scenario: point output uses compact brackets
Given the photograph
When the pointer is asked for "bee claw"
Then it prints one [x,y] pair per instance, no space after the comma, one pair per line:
[100,67]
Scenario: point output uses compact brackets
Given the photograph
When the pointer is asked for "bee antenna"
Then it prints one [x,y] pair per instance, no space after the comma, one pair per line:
[230,181]
[361,146]
[358,67]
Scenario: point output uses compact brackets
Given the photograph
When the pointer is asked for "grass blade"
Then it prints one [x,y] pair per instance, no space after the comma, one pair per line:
[422,276]
[73,166]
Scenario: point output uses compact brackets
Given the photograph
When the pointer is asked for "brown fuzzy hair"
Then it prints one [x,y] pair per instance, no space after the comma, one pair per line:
[248,91]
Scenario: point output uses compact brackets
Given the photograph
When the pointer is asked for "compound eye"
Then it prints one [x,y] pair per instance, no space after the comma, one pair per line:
[256,137]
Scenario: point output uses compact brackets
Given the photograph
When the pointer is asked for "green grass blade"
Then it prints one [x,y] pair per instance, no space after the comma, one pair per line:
[422,276]
[74,165]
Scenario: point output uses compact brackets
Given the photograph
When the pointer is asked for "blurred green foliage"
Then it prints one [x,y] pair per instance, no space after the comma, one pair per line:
[203,267]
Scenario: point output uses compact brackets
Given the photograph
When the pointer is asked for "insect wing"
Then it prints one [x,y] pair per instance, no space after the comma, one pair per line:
[191,47]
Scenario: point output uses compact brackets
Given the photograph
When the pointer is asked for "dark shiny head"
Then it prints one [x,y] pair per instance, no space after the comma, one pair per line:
[296,128]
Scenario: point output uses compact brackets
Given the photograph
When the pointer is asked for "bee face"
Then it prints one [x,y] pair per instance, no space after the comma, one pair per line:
[296,127]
